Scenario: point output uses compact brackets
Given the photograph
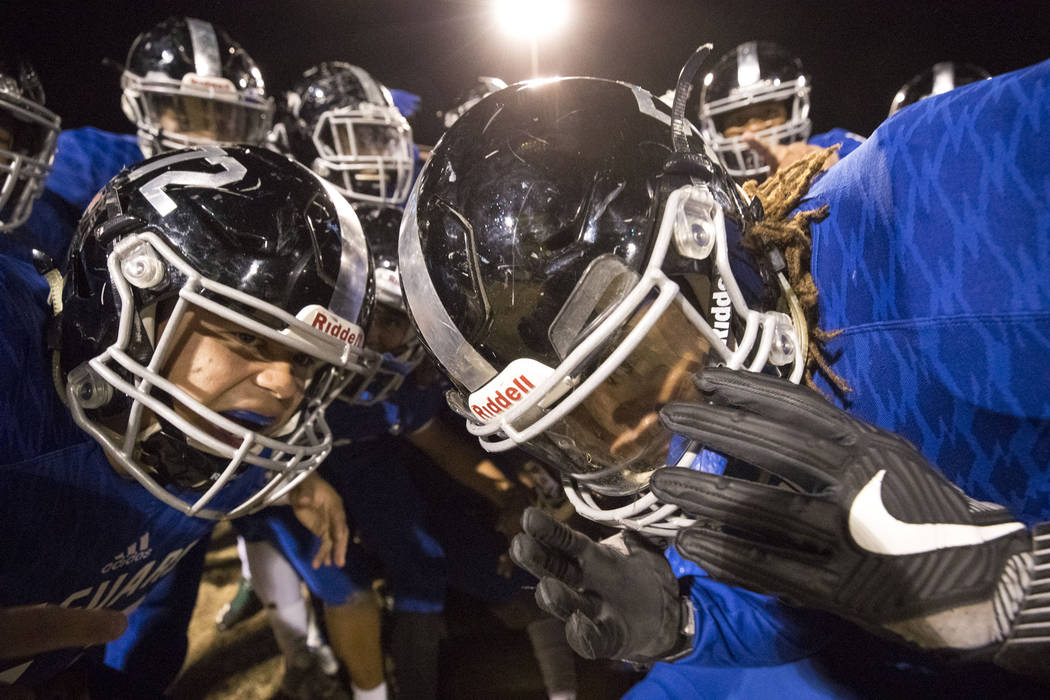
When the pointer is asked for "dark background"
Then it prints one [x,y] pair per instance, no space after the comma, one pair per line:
[857,53]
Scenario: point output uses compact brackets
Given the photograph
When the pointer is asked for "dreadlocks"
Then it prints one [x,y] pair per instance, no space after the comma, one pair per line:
[780,194]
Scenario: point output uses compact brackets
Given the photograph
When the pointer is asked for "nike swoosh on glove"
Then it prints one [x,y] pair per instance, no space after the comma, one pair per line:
[619,598]
[857,522]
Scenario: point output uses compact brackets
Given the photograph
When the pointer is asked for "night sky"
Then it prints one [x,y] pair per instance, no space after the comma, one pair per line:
[857,53]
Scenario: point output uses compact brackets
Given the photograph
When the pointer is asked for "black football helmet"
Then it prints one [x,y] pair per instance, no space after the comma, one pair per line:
[753,78]
[339,121]
[28,134]
[936,80]
[380,226]
[484,85]
[249,236]
[187,83]
[553,254]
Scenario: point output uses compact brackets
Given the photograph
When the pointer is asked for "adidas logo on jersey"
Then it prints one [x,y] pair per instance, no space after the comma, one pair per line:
[136,551]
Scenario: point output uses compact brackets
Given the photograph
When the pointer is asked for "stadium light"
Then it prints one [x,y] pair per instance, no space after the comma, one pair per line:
[531,20]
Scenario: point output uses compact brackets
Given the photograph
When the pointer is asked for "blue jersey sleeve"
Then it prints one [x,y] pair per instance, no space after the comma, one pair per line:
[735,627]
[932,267]
[932,264]
[86,159]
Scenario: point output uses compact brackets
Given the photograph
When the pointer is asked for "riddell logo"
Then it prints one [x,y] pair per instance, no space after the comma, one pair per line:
[510,387]
[721,310]
[329,323]
[136,551]
[503,398]
[208,83]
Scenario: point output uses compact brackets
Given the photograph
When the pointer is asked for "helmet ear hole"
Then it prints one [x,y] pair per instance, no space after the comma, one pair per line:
[91,390]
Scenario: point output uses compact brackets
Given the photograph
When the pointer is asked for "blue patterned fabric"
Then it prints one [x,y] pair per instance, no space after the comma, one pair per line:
[934,262]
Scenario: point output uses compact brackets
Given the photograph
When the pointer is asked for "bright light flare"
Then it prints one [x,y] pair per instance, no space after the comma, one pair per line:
[531,19]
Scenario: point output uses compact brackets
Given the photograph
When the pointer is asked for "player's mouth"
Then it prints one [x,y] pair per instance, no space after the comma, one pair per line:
[251,420]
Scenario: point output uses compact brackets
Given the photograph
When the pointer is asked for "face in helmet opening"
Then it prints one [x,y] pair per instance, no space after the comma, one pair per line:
[244,377]
[390,331]
[368,158]
[203,333]
[205,120]
[753,118]
[613,439]
[391,334]
[186,82]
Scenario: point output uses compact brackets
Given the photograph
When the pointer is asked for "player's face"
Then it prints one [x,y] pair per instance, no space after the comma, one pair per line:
[618,424]
[390,330]
[756,117]
[7,140]
[252,381]
[192,123]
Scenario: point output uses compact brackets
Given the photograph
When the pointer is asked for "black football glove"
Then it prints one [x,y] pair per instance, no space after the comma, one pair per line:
[857,523]
[618,598]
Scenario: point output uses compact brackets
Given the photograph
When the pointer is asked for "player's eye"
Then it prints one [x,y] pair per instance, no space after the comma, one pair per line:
[301,359]
[247,338]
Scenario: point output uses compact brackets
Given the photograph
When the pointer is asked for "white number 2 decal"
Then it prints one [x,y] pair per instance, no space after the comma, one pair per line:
[154,192]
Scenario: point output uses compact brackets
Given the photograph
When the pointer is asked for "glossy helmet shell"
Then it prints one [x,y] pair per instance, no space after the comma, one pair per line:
[524,196]
[192,68]
[484,85]
[936,80]
[754,72]
[529,187]
[344,125]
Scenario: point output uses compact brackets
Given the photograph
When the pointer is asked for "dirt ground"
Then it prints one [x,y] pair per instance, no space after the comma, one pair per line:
[481,659]
[241,663]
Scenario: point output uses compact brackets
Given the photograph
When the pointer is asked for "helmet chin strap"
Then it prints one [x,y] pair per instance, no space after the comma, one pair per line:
[168,452]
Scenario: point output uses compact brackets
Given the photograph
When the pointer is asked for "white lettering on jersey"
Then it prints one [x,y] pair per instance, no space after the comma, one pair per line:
[111,591]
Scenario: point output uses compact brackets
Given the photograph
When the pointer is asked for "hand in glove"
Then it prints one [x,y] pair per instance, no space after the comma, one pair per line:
[619,598]
[871,531]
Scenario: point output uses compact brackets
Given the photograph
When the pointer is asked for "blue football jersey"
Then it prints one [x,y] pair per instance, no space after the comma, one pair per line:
[73,532]
[934,263]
